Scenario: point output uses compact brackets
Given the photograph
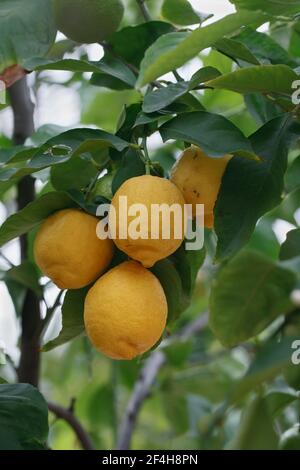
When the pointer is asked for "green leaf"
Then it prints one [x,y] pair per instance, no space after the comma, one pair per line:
[275,7]
[163,97]
[72,318]
[203,75]
[277,401]
[131,42]
[292,177]
[188,264]
[73,174]
[248,287]
[270,360]
[260,78]
[261,108]
[26,274]
[256,430]
[250,189]
[181,12]
[23,418]
[265,47]
[61,148]
[171,282]
[27,30]
[215,134]
[34,213]
[108,65]
[291,246]
[17,293]
[235,50]
[131,166]
[175,49]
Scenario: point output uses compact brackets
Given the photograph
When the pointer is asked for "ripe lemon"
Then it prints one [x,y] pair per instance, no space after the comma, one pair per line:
[148,191]
[199,178]
[68,251]
[125,311]
[88,21]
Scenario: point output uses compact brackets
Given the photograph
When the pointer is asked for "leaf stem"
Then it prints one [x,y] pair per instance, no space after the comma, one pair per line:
[147,158]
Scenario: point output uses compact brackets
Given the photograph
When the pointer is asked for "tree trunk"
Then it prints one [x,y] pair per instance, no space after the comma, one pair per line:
[28,370]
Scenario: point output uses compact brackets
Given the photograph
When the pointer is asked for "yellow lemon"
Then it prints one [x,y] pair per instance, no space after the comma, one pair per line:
[125,311]
[88,21]
[147,234]
[68,251]
[199,178]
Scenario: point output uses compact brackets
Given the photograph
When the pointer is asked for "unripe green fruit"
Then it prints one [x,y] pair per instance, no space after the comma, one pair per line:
[88,21]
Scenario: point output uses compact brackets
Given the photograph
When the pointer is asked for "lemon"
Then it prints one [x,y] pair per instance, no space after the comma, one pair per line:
[199,178]
[68,251]
[125,311]
[148,191]
[88,21]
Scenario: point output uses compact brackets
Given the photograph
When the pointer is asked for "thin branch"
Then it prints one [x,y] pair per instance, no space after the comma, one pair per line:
[146,381]
[68,416]
[4,257]
[50,311]
[144,10]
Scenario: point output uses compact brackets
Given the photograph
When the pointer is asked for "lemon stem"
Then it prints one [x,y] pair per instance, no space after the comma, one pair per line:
[147,158]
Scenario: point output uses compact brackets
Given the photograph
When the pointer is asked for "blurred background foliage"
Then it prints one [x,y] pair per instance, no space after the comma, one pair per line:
[190,405]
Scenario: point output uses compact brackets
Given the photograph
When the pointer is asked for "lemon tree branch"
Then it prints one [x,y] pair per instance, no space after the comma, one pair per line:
[68,415]
[146,380]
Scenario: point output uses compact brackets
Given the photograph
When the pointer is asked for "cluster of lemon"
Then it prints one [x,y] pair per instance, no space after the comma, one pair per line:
[126,309]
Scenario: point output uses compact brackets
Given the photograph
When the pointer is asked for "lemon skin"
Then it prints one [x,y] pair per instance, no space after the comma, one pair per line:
[147,190]
[68,251]
[199,178]
[125,311]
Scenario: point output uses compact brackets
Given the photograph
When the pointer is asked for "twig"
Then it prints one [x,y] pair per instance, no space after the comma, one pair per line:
[144,10]
[50,311]
[4,257]
[68,416]
[146,380]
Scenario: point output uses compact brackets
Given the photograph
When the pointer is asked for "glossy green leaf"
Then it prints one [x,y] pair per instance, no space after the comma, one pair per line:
[249,286]
[34,213]
[72,318]
[260,78]
[235,50]
[61,148]
[181,12]
[275,7]
[73,174]
[131,166]
[215,134]
[163,97]
[250,189]
[171,282]
[173,50]
[292,177]
[26,274]
[204,75]
[264,47]
[291,246]
[23,418]
[27,30]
